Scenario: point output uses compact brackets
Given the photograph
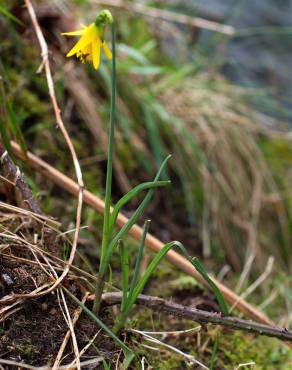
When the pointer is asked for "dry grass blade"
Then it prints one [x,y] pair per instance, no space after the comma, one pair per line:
[75,318]
[258,281]
[190,359]
[224,162]
[10,311]
[37,217]
[70,366]
[70,324]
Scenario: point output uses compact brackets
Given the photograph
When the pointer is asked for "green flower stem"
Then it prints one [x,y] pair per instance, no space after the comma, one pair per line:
[109,175]
[98,293]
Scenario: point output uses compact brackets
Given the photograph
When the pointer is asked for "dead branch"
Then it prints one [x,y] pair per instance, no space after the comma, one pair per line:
[202,317]
[136,232]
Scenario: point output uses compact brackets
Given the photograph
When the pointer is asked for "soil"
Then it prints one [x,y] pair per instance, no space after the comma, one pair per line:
[34,333]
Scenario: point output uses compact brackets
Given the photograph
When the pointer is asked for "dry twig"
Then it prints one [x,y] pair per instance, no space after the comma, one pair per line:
[202,317]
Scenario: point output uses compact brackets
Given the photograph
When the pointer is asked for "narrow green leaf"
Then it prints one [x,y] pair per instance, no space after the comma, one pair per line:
[214,352]
[9,15]
[105,365]
[4,132]
[126,304]
[139,258]
[194,261]
[149,271]
[14,125]
[173,78]
[156,143]
[130,195]
[147,70]
[133,219]
[201,269]
[4,128]
[124,255]
[110,275]
[148,46]
[133,53]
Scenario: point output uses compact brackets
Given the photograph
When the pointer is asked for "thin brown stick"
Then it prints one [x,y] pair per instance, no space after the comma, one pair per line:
[170,16]
[16,179]
[136,232]
[202,317]
[58,117]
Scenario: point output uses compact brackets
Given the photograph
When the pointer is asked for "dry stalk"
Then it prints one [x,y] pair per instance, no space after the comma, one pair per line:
[57,112]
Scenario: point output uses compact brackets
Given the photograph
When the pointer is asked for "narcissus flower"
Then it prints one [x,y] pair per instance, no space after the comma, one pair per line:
[87,49]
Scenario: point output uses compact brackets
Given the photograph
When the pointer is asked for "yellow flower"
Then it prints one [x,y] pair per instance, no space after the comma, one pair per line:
[87,49]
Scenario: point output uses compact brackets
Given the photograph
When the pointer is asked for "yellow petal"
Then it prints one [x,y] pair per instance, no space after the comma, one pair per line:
[74,33]
[96,53]
[90,31]
[107,50]
[81,44]
[87,53]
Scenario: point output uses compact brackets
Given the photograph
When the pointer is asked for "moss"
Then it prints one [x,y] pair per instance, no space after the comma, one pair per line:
[185,282]
[165,361]
[267,353]
[27,349]
[234,348]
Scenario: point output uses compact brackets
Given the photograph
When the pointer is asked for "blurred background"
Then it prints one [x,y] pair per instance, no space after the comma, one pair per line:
[207,81]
